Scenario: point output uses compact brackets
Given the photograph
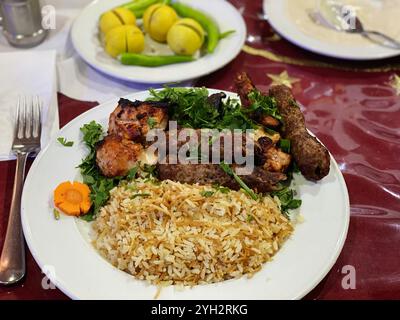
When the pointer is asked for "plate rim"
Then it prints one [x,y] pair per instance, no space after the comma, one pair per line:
[105,70]
[267,7]
[60,285]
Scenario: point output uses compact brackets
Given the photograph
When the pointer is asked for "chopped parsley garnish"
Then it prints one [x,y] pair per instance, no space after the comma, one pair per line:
[207,194]
[221,188]
[151,122]
[64,142]
[284,144]
[228,170]
[263,104]
[56,214]
[141,195]
[99,185]
[286,197]
[192,109]
[150,170]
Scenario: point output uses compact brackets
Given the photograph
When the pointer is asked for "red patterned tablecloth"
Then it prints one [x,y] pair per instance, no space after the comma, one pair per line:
[353,108]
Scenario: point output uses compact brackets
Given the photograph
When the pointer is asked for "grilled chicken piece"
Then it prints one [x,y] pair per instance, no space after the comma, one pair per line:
[274,137]
[310,155]
[206,174]
[116,156]
[133,120]
[272,158]
[244,86]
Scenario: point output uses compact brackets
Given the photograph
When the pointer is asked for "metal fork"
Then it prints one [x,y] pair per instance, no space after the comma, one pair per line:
[26,140]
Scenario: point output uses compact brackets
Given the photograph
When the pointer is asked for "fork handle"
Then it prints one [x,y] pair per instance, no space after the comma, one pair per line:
[12,260]
[381,39]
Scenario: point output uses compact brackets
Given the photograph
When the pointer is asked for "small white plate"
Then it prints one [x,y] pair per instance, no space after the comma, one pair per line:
[320,39]
[63,250]
[86,41]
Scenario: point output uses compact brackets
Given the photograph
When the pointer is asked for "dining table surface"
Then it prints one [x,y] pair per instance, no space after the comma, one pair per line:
[352,107]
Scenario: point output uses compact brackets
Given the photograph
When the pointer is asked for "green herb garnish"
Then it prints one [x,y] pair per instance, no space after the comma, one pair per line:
[250,218]
[286,197]
[56,214]
[99,185]
[221,188]
[263,104]
[132,173]
[284,144]
[228,170]
[192,109]
[207,194]
[64,142]
[150,170]
[140,195]
[151,122]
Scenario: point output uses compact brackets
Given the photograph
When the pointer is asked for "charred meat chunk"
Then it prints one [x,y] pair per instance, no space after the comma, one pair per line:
[216,100]
[133,120]
[116,156]
[271,157]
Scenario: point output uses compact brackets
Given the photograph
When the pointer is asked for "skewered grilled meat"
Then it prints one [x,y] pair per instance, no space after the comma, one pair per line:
[116,156]
[259,180]
[310,155]
[133,120]
[244,86]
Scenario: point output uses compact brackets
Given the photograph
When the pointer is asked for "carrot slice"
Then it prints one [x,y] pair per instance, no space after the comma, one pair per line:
[72,198]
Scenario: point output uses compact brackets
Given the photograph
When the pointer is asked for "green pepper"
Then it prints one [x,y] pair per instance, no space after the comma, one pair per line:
[138,7]
[152,61]
[208,24]
[139,4]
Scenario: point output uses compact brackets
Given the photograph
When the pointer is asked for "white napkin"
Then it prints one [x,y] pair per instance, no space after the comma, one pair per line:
[27,73]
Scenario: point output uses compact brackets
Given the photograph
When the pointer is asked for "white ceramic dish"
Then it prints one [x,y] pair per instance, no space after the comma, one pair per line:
[280,19]
[62,248]
[88,45]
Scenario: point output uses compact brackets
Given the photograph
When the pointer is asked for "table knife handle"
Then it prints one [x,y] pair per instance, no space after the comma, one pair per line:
[12,260]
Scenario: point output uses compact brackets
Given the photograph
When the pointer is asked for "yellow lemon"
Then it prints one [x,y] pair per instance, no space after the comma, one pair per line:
[115,18]
[124,39]
[185,37]
[157,20]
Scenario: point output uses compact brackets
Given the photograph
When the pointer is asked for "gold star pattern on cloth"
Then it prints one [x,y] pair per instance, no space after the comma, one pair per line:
[395,83]
[282,78]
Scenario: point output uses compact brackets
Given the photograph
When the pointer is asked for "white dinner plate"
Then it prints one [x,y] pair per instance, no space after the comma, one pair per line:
[63,250]
[86,41]
[289,23]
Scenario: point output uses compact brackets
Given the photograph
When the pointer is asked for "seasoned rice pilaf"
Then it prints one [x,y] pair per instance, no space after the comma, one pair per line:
[172,233]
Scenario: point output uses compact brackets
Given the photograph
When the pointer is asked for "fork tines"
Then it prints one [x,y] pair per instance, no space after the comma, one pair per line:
[28,118]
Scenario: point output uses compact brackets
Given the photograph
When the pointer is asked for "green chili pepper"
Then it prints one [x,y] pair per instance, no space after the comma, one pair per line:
[138,7]
[206,22]
[226,34]
[139,4]
[152,61]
